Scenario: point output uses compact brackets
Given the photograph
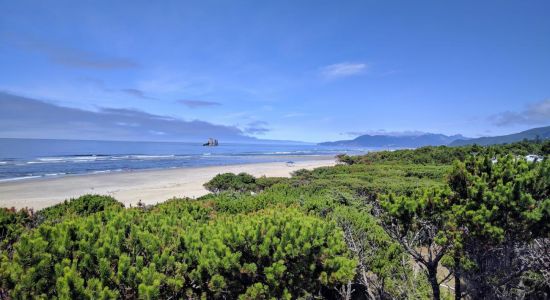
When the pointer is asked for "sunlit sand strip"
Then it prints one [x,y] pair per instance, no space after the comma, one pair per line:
[152,186]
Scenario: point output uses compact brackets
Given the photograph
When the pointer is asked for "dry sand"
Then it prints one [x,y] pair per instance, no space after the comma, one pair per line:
[151,186]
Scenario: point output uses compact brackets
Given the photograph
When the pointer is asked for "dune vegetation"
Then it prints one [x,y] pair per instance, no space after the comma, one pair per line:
[435,222]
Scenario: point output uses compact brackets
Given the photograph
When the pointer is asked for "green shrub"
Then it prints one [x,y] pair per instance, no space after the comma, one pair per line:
[12,224]
[241,182]
[311,235]
[81,206]
[163,253]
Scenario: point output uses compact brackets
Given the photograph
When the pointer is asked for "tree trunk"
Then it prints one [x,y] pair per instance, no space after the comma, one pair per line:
[458,285]
[432,278]
[347,291]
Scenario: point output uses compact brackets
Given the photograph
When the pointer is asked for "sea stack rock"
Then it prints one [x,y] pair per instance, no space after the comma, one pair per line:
[211,142]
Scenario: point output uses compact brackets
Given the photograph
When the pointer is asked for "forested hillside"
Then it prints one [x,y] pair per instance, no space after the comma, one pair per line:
[436,222]
[540,133]
[398,141]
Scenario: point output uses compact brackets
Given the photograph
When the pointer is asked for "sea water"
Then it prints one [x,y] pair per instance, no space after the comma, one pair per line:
[22,159]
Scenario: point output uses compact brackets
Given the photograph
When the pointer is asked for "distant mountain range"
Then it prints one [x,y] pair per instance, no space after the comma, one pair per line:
[432,139]
[401,141]
[542,133]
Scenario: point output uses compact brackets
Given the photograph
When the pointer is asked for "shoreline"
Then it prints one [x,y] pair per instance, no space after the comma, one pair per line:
[151,186]
[294,158]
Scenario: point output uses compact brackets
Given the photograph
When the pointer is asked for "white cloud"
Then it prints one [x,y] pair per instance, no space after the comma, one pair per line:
[257,128]
[155,132]
[131,124]
[294,115]
[198,103]
[24,117]
[534,114]
[343,70]
[240,115]
[164,83]
[384,132]
[267,108]
[70,57]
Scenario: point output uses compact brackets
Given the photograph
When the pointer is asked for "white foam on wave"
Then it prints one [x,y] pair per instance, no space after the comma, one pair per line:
[55,174]
[101,172]
[121,157]
[153,156]
[106,171]
[85,158]
[19,178]
[51,159]
[62,159]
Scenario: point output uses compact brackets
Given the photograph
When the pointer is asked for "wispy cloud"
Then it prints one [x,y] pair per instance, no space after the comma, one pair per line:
[383,132]
[69,56]
[137,93]
[238,115]
[163,82]
[534,114]
[343,70]
[294,115]
[257,128]
[127,124]
[100,85]
[25,117]
[198,103]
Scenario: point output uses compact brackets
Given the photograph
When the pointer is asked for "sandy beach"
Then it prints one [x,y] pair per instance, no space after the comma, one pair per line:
[150,186]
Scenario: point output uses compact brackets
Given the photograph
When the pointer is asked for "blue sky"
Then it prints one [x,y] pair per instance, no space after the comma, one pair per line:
[293,70]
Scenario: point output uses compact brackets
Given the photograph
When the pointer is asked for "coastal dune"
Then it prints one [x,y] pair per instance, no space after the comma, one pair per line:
[148,186]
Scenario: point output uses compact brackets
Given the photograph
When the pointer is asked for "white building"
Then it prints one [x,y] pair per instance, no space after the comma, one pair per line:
[533,158]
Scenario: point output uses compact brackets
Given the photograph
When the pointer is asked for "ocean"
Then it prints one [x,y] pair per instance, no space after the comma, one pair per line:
[25,159]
